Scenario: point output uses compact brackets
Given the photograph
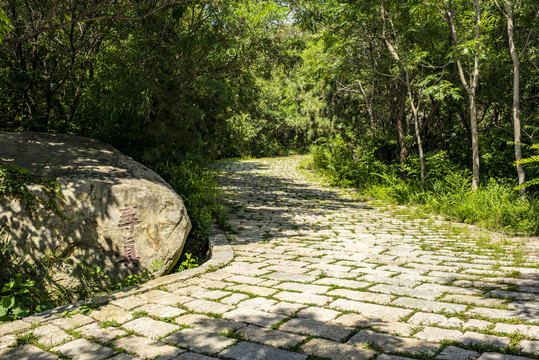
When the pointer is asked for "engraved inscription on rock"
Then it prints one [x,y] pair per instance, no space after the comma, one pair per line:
[122,216]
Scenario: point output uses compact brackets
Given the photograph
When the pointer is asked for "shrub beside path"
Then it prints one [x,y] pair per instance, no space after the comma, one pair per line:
[317,274]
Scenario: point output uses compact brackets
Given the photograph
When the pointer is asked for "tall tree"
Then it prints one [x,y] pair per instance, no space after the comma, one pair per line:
[470,84]
[515,58]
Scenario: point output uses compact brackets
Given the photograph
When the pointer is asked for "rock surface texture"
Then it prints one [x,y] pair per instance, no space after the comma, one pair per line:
[317,274]
[121,215]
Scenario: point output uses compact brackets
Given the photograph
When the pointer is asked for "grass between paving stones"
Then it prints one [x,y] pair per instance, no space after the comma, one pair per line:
[76,334]
[484,347]
[106,324]
[25,339]
[464,317]
[277,325]
[31,339]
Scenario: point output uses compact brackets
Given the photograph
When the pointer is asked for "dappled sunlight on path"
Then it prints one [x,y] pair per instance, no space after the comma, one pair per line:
[317,274]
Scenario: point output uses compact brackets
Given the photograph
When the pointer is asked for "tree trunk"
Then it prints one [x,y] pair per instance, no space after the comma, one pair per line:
[516,96]
[470,86]
[370,108]
[475,141]
[415,111]
[403,152]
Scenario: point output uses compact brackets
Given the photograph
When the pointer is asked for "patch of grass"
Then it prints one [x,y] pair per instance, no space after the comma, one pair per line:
[29,338]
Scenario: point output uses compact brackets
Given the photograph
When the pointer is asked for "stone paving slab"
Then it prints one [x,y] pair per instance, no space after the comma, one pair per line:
[317,328]
[255,317]
[392,343]
[206,323]
[271,337]
[252,351]
[312,269]
[103,334]
[335,350]
[147,348]
[199,341]
[83,349]
[27,352]
[150,328]
[456,353]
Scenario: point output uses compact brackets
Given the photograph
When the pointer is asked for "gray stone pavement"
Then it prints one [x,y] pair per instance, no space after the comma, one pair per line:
[317,274]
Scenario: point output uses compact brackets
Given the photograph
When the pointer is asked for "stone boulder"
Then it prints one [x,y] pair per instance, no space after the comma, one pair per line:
[122,216]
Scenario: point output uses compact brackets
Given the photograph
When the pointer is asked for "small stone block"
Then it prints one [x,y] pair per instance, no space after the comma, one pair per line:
[456,353]
[151,328]
[316,328]
[303,298]
[123,356]
[194,356]
[437,334]
[319,314]
[164,298]
[12,327]
[26,352]
[129,302]
[258,303]
[477,338]
[271,337]
[392,357]
[50,335]
[158,310]
[105,335]
[394,343]
[285,308]
[335,351]
[528,346]
[252,351]
[111,313]
[73,322]
[206,323]
[200,341]
[497,356]
[7,341]
[83,349]
[255,317]
[207,307]
[234,299]
[147,348]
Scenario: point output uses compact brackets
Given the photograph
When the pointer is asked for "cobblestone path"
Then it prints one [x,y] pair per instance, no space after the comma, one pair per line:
[316,275]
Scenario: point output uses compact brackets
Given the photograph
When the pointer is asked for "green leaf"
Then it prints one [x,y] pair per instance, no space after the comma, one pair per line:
[45,305]
[21,311]
[8,286]
[8,302]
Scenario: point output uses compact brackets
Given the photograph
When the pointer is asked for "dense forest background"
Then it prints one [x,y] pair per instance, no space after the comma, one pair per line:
[423,102]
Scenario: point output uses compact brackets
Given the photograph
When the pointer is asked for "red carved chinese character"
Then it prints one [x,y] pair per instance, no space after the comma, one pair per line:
[128,219]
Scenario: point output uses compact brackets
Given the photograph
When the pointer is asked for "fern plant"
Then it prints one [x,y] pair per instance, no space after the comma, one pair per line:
[529,160]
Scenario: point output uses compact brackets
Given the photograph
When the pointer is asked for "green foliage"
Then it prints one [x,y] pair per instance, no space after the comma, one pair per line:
[187,262]
[334,159]
[195,185]
[21,290]
[529,160]
[5,25]
[14,182]
[16,300]
[495,205]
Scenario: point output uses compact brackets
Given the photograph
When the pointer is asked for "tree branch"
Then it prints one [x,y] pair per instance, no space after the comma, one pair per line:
[44,28]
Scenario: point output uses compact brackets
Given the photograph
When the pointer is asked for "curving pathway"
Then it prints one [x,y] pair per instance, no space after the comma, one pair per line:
[316,274]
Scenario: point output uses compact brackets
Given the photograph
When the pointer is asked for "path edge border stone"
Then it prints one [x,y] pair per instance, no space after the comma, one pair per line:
[221,254]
